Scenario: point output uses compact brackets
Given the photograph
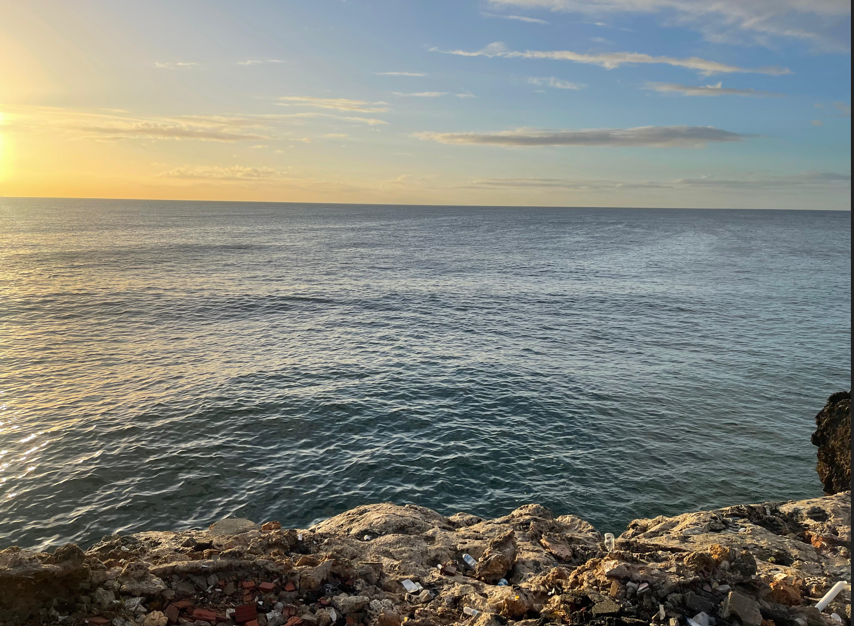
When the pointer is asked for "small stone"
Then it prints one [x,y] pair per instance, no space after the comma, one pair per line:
[104,598]
[271,526]
[155,618]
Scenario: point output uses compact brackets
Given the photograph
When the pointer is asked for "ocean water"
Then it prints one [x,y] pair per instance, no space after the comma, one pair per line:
[164,365]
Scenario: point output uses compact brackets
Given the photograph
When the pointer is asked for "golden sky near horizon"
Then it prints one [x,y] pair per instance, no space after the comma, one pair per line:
[389,102]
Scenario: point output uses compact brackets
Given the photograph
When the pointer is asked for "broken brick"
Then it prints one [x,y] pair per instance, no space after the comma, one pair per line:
[245,613]
[267,587]
[290,587]
[204,615]
[183,604]
[172,614]
[249,584]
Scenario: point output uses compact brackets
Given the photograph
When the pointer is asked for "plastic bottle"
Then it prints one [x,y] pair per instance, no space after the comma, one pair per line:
[471,612]
[470,561]
[610,542]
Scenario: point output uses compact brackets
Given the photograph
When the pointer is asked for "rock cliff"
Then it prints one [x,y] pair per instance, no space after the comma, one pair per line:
[833,438]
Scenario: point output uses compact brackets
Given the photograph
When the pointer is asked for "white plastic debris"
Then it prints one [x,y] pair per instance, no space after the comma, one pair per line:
[610,542]
[831,595]
[333,615]
[836,618]
[299,537]
[471,612]
[410,586]
[643,588]
[470,560]
[662,614]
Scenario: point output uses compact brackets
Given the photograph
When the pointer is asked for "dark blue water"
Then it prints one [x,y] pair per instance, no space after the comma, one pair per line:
[166,364]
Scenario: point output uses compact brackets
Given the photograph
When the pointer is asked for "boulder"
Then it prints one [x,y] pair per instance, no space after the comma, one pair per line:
[833,438]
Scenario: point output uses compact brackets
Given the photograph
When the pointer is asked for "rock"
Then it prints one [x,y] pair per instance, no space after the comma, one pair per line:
[742,607]
[350,604]
[833,438]
[486,619]
[389,618]
[104,598]
[786,591]
[155,618]
[271,526]
[235,526]
[499,558]
[697,604]
[606,607]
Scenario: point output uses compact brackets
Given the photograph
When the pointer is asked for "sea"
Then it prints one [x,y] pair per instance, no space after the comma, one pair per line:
[164,365]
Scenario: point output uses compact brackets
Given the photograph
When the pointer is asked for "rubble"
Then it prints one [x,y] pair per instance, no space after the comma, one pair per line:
[750,565]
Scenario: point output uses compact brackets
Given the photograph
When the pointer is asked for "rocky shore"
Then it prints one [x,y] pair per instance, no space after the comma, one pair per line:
[385,565]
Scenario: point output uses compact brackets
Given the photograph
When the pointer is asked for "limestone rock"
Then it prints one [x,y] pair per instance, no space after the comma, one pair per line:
[235,526]
[833,438]
[155,618]
[499,558]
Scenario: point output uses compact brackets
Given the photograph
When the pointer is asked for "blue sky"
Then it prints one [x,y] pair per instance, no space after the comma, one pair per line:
[526,102]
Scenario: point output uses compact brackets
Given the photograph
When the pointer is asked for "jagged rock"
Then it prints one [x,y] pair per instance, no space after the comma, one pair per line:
[744,608]
[833,438]
[499,558]
[104,598]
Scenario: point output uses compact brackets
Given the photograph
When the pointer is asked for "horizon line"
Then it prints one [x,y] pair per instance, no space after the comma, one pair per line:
[388,204]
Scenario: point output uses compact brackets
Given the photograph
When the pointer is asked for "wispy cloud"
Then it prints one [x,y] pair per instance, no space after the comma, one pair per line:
[645,137]
[408,74]
[176,66]
[260,61]
[843,108]
[756,21]
[336,104]
[709,90]
[516,18]
[555,83]
[422,94]
[817,123]
[235,173]
[804,180]
[614,60]
[344,118]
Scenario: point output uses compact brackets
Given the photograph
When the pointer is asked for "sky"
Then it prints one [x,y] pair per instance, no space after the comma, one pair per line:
[620,103]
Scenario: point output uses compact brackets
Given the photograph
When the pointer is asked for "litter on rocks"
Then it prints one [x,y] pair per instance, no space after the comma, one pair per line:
[471,612]
[470,560]
[503,583]
[831,596]
[410,586]
[610,542]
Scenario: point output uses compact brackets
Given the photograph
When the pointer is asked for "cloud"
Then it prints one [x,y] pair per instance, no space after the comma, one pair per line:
[646,137]
[235,173]
[423,94]
[336,104]
[176,66]
[517,18]
[615,59]
[803,180]
[260,62]
[409,74]
[344,118]
[709,90]
[817,22]
[843,108]
[555,83]
[817,123]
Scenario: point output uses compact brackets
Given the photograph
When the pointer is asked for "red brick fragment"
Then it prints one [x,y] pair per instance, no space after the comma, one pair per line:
[290,586]
[252,623]
[351,621]
[183,604]
[221,583]
[249,584]
[245,613]
[204,615]
[294,621]
[267,587]
[173,613]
